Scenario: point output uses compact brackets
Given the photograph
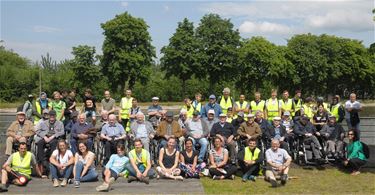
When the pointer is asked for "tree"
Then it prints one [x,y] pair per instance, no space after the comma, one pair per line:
[127,51]
[180,56]
[218,51]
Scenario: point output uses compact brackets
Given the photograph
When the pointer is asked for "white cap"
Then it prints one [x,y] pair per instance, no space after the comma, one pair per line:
[155,98]
[250,115]
[277,118]
[222,115]
[211,111]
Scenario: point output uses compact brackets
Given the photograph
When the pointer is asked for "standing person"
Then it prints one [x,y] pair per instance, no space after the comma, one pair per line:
[197,105]
[89,96]
[155,112]
[337,109]
[125,105]
[189,161]
[90,111]
[40,104]
[197,131]
[108,103]
[297,101]
[356,157]
[211,105]
[352,109]
[134,110]
[242,105]
[219,166]
[57,105]
[71,101]
[84,167]
[272,106]
[257,104]
[308,107]
[27,107]
[226,101]
[61,164]
[250,160]
[286,104]
[168,161]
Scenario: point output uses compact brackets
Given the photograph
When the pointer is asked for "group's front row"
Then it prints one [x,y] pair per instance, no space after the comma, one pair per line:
[172,164]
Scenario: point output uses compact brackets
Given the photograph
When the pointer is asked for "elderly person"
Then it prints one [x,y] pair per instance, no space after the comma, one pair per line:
[169,128]
[334,133]
[19,131]
[277,131]
[197,131]
[249,129]
[142,130]
[226,101]
[211,105]
[82,131]
[155,112]
[211,119]
[183,119]
[108,103]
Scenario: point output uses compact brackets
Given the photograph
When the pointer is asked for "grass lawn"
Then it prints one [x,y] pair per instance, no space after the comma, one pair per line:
[328,181]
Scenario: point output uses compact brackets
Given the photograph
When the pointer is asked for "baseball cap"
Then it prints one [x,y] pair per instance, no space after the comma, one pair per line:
[20,112]
[286,113]
[155,98]
[222,115]
[211,111]
[277,118]
[212,96]
[169,114]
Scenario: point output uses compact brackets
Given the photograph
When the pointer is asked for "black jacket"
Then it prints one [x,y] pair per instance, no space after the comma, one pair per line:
[225,131]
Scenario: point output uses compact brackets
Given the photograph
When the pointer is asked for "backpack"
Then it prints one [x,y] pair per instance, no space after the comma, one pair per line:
[366,150]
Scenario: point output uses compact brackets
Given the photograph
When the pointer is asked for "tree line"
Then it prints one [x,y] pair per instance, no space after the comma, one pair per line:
[203,59]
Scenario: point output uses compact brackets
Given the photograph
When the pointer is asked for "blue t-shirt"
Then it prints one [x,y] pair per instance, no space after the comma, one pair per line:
[117,163]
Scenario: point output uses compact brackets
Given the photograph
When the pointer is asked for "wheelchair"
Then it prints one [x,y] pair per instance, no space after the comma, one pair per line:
[304,151]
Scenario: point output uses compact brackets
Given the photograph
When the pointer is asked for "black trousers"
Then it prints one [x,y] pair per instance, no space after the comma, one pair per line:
[249,170]
[230,169]
[355,164]
[110,148]
[44,156]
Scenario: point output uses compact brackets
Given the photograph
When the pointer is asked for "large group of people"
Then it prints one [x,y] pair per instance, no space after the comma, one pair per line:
[258,137]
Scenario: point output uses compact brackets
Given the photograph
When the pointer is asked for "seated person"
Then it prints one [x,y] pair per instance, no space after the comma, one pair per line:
[169,128]
[197,131]
[288,124]
[140,164]
[189,161]
[211,119]
[114,168]
[71,121]
[112,134]
[84,167]
[168,161]
[277,131]
[249,129]
[82,131]
[19,131]
[142,130]
[334,134]
[90,111]
[61,164]
[263,124]
[183,119]
[250,160]
[238,121]
[103,120]
[278,161]
[14,168]
[356,157]
[219,166]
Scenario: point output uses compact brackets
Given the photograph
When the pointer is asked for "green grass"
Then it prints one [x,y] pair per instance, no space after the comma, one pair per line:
[329,181]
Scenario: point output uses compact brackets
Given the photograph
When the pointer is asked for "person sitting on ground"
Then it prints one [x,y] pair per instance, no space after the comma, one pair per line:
[278,161]
[142,130]
[198,133]
[356,156]
[140,164]
[277,131]
[169,128]
[114,168]
[18,171]
[211,105]
[219,166]
[84,167]
[250,160]
[82,131]
[249,129]
[334,133]
[320,118]
[61,164]
[189,161]
[57,105]
[168,161]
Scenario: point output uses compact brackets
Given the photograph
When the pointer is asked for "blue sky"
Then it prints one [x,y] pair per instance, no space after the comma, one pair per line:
[33,28]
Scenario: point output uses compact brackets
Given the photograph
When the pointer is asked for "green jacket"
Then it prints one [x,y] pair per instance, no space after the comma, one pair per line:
[355,150]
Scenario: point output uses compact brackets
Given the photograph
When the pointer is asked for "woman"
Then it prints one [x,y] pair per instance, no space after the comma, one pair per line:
[220,168]
[84,168]
[189,160]
[356,157]
[61,164]
[320,118]
[57,105]
[168,161]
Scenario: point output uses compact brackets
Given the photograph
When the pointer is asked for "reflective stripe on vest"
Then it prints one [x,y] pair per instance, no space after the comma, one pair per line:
[257,107]
[24,166]
[335,110]
[243,105]
[272,108]
[308,111]
[126,104]
[226,104]
[249,155]
[143,159]
[288,106]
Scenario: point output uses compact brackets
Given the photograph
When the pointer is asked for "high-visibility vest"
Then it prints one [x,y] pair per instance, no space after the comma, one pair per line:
[335,110]
[243,105]
[308,111]
[257,107]
[190,110]
[24,166]
[196,106]
[288,106]
[249,155]
[143,159]
[272,108]
[230,119]
[226,104]
[326,107]
[297,106]
[39,110]
[126,104]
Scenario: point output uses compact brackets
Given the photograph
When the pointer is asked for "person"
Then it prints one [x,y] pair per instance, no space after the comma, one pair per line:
[182,120]
[278,161]
[169,128]
[307,108]
[286,104]
[134,110]
[71,102]
[320,101]
[27,107]
[71,122]
[108,103]
[226,132]
[226,101]
[278,132]
[272,106]
[155,112]
[249,129]
[250,160]
[125,105]
[82,131]
[211,105]
[88,95]
[263,124]
[21,130]
[188,107]
[257,104]
[238,121]
[61,164]
[297,101]
[57,105]
[189,164]
[352,109]
[140,164]
[197,105]
[334,133]
[168,161]
[114,168]
[211,119]
[288,124]
[112,134]
[230,115]
[337,109]
[142,130]
[90,111]
[320,117]
[197,131]
[40,105]
[356,157]
[219,167]
[84,167]
[18,165]
[242,105]
[48,134]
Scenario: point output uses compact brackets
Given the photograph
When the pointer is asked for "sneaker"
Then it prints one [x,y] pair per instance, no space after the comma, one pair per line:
[77,184]
[244,179]
[252,178]
[64,182]
[3,188]
[284,179]
[273,183]
[55,183]
[180,178]
[102,188]
[131,179]
[232,177]
[205,172]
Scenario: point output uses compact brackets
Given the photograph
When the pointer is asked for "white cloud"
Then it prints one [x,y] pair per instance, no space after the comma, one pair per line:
[45,29]
[124,4]
[264,28]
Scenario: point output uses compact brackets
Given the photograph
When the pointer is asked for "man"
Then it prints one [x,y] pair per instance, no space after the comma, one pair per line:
[242,105]
[188,107]
[112,134]
[210,120]
[197,105]
[18,165]
[142,130]
[278,132]
[337,109]
[230,115]
[307,108]
[103,120]
[140,164]
[352,109]
[211,105]
[263,124]
[27,107]
[278,161]
[169,128]
[239,120]
[134,110]
[182,120]
[19,131]
[297,101]
[226,132]
[272,106]
[197,131]
[155,112]
[249,129]
[250,160]
[334,134]
[82,131]
[108,103]
[125,105]
[73,118]
[286,104]
[257,104]
[226,101]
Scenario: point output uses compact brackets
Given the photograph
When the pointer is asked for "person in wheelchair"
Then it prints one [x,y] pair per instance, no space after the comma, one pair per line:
[169,128]
[334,134]
[307,131]
[250,160]
[263,124]
[21,130]
[249,129]
[142,130]
[82,131]
[278,132]
[197,131]
[113,133]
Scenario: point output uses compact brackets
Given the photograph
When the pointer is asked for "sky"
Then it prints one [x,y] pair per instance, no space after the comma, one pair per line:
[33,28]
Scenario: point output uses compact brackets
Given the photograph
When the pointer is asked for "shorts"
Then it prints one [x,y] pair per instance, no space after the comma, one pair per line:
[113,173]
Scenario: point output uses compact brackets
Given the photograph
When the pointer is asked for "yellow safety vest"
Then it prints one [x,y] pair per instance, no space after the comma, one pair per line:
[297,106]
[39,110]
[335,110]
[197,107]
[257,107]
[288,106]
[226,104]
[242,106]
[126,104]
[308,111]
[229,120]
[24,166]
[143,159]
[249,155]
[272,109]
[189,111]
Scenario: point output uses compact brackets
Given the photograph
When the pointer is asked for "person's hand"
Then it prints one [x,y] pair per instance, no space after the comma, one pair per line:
[144,174]
[248,136]
[230,140]
[18,137]
[282,139]
[8,169]
[346,162]
[139,174]
[317,133]
[46,139]
[193,169]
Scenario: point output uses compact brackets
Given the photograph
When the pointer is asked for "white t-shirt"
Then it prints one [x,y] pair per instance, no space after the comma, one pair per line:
[349,104]
[62,159]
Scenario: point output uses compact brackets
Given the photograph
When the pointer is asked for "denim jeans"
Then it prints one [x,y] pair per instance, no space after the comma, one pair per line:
[151,173]
[91,174]
[56,173]
[203,143]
